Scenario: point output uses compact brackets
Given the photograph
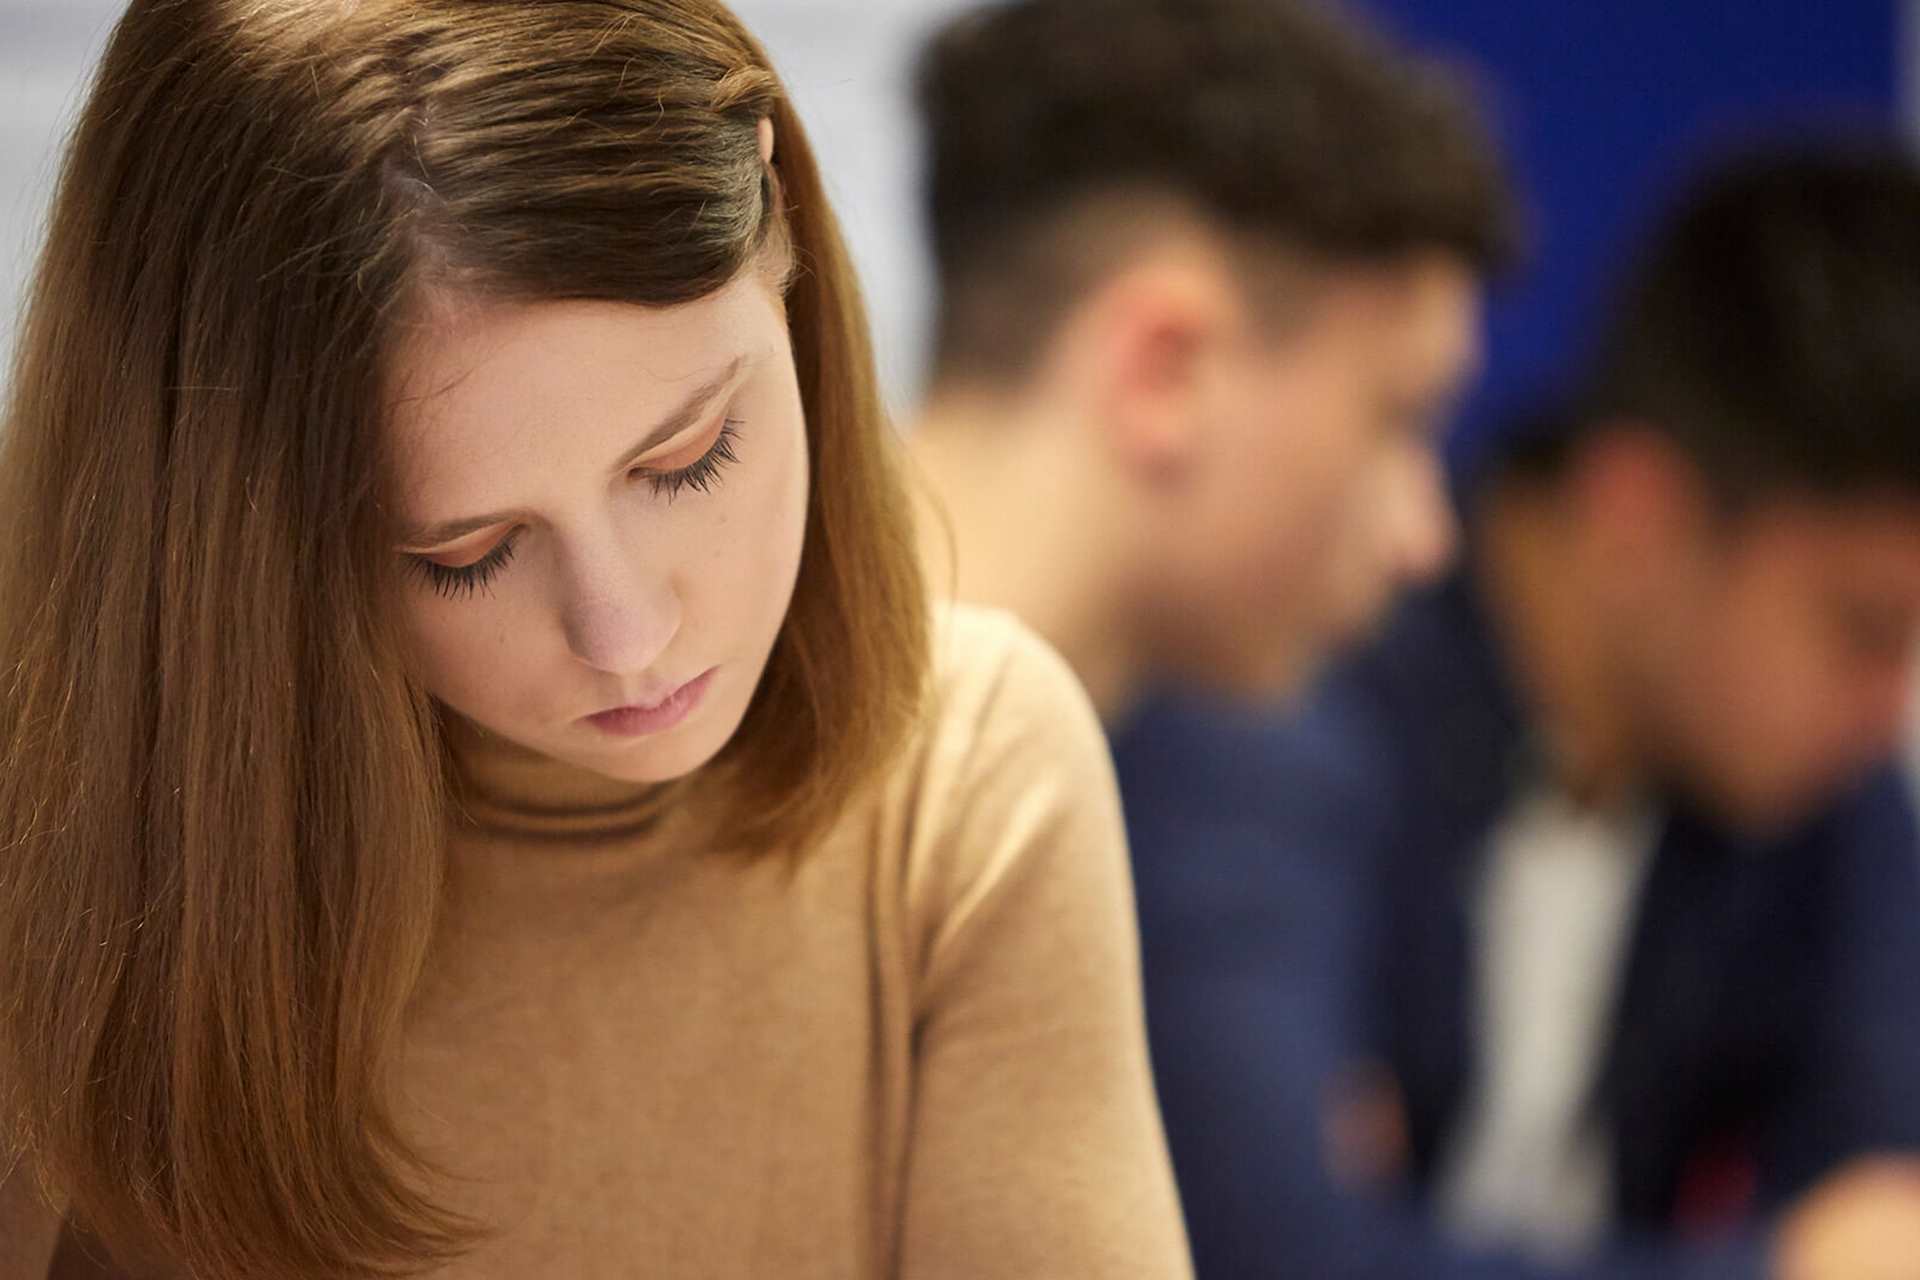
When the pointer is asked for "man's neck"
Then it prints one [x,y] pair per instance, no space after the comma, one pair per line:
[1009,518]
[1549,623]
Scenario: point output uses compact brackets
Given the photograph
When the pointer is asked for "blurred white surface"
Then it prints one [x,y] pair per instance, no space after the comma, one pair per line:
[848,65]
[47,48]
[846,61]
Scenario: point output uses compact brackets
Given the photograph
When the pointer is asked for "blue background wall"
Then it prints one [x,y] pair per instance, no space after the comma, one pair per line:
[1601,101]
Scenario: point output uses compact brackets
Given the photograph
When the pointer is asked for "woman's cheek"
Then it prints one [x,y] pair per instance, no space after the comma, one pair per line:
[767,526]
[465,661]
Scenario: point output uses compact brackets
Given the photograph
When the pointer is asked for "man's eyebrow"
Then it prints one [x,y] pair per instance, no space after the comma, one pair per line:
[683,416]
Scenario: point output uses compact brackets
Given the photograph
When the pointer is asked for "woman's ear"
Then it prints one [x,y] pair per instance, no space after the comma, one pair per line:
[780,256]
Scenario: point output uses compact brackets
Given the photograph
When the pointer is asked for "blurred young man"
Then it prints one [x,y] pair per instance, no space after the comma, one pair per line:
[1210,283]
[1617,930]
[1210,276]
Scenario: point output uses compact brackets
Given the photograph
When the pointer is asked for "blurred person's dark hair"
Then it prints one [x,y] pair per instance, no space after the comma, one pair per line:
[1058,128]
[1770,330]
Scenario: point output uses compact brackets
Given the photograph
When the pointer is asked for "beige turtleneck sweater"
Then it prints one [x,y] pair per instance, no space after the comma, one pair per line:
[918,1053]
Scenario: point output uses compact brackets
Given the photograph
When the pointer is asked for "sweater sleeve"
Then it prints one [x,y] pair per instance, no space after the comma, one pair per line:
[1036,1148]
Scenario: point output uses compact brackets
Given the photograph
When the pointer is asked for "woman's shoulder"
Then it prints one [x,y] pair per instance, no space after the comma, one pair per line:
[1009,773]
[999,694]
[995,674]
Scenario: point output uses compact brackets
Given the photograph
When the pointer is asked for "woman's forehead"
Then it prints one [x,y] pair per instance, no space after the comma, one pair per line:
[513,380]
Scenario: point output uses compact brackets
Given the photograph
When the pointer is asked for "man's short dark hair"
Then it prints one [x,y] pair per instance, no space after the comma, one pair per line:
[1772,328]
[1281,123]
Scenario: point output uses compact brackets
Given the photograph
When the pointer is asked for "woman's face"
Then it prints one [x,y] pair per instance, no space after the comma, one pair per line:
[603,507]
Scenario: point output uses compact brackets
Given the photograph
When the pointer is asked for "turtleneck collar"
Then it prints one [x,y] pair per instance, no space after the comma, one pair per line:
[504,789]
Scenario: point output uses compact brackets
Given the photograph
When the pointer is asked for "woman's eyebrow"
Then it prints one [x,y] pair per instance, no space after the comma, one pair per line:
[679,419]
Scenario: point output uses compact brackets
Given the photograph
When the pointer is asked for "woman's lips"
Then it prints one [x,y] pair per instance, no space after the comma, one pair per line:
[640,722]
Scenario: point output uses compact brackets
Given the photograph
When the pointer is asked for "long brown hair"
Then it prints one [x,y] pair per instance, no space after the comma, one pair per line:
[223,802]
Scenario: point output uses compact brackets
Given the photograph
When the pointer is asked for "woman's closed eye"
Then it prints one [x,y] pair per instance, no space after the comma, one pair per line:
[667,481]
[702,473]
[457,581]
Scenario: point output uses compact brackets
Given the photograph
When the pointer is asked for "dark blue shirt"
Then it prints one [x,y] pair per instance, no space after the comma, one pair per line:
[1304,887]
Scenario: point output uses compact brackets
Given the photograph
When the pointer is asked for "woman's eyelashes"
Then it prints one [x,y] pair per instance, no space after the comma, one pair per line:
[455,583]
[700,475]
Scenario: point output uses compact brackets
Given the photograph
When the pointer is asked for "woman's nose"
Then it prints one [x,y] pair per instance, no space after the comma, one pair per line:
[619,616]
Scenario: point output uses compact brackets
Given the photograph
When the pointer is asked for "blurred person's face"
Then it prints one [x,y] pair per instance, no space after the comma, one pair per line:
[635,482]
[1318,491]
[1768,656]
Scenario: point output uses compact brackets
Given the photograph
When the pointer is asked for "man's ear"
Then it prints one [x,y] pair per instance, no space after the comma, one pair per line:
[1638,493]
[1160,329]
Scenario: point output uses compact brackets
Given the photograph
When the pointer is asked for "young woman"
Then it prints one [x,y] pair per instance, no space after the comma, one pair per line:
[481,792]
